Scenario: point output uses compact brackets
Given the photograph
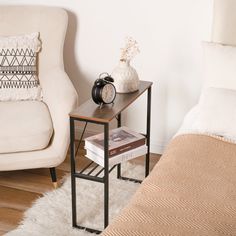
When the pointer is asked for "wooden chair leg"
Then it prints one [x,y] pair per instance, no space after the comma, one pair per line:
[53,176]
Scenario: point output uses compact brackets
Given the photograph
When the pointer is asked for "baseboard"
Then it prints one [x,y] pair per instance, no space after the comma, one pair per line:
[155,146]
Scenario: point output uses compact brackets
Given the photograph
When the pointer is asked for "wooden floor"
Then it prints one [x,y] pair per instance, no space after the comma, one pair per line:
[19,189]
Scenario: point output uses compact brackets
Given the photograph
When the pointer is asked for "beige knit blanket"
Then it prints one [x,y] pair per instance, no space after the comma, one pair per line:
[191,191]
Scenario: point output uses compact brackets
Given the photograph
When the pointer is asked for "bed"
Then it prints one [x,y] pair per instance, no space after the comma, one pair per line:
[190,192]
[192,189]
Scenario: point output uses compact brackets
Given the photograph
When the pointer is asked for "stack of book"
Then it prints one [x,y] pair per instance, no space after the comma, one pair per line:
[124,144]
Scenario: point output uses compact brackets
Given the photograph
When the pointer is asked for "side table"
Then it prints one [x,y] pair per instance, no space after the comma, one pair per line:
[89,112]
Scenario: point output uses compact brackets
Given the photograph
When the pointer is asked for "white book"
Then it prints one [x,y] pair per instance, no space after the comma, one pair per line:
[118,158]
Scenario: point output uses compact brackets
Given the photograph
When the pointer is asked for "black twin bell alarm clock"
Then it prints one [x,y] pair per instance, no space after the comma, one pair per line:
[103,91]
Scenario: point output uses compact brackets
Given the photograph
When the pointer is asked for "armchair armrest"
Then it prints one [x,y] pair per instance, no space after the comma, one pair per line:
[61,98]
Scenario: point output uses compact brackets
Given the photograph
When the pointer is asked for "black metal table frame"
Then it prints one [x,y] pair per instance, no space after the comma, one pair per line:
[105,178]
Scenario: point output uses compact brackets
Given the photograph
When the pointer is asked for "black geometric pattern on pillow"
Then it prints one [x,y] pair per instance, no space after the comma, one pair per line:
[18,68]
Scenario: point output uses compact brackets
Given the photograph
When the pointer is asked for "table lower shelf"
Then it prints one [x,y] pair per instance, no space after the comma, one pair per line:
[96,173]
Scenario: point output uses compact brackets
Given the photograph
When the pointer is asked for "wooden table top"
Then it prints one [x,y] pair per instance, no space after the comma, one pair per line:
[90,111]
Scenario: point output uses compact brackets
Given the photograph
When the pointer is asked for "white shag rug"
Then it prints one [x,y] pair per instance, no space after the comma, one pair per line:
[51,214]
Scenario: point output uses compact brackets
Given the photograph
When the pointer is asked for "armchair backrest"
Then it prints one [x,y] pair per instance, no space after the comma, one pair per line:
[51,22]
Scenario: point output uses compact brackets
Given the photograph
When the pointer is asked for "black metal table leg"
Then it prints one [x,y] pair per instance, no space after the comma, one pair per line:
[119,165]
[148,130]
[106,175]
[73,180]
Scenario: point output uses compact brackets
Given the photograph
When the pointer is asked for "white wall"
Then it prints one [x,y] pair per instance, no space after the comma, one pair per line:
[169,33]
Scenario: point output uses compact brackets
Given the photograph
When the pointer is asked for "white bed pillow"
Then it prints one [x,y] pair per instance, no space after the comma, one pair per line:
[215,114]
[18,67]
[219,65]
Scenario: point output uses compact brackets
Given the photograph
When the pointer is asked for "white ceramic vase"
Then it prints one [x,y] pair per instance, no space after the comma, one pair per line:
[125,78]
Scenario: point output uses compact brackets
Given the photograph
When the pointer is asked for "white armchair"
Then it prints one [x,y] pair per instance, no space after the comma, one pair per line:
[59,94]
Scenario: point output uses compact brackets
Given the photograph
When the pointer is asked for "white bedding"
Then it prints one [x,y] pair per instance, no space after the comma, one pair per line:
[215,113]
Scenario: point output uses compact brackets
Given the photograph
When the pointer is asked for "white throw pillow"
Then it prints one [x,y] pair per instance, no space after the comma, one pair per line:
[18,67]
[219,65]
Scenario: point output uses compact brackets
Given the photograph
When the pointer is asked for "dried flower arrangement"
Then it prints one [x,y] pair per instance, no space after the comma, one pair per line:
[130,49]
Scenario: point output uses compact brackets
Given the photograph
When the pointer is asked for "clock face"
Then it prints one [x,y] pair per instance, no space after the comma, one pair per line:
[108,93]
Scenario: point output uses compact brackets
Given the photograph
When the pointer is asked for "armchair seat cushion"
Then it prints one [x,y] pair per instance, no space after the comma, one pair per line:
[24,126]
